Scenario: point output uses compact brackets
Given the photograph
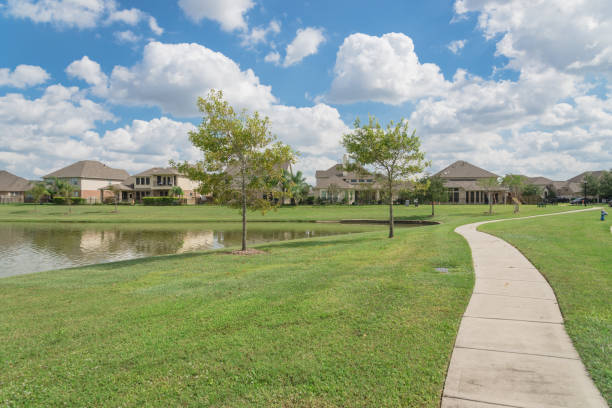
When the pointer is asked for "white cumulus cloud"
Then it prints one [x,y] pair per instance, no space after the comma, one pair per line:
[81,14]
[230,14]
[456,46]
[562,34]
[383,69]
[305,43]
[23,76]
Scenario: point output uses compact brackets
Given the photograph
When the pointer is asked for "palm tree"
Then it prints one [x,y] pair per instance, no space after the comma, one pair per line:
[63,189]
[176,191]
[38,191]
[299,188]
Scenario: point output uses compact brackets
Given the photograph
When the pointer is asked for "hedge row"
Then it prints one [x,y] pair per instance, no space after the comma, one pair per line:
[161,201]
[73,200]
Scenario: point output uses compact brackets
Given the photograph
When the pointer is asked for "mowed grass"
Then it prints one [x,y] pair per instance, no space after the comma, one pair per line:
[574,253]
[354,321]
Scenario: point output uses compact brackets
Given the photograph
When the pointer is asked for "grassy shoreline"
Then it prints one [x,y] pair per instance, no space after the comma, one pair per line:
[347,320]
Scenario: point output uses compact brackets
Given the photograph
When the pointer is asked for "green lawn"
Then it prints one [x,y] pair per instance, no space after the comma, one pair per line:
[574,253]
[215,213]
[352,320]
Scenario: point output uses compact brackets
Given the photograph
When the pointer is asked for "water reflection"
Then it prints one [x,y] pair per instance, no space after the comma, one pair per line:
[26,248]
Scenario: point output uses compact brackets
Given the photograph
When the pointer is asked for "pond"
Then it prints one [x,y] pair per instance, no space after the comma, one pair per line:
[29,247]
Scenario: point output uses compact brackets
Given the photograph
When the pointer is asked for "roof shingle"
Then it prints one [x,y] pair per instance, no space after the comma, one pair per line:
[90,169]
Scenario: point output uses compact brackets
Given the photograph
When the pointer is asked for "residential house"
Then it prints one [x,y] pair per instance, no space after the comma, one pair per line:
[568,189]
[461,178]
[88,177]
[158,182]
[13,188]
[337,184]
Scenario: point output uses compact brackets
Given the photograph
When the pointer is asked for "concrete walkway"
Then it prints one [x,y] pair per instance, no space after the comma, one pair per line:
[512,349]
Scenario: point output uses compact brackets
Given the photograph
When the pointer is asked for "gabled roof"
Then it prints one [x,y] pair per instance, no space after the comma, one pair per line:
[539,181]
[162,171]
[579,178]
[325,182]
[337,171]
[90,169]
[464,170]
[11,182]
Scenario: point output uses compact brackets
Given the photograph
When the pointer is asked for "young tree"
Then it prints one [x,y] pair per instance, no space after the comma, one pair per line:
[241,158]
[490,185]
[435,191]
[116,190]
[38,191]
[392,151]
[515,184]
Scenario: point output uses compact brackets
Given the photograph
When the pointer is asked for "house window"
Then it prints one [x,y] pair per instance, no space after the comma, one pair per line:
[74,181]
[148,180]
[159,180]
[353,180]
[137,180]
[323,194]
[370,180]
[361,180]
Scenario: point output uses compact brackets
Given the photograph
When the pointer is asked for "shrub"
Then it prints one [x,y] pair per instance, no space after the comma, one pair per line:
[161,201]
[73,200]
[309,200]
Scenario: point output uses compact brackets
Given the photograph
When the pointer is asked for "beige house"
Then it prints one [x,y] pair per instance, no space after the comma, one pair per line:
[568,189]
[336,184]
[461,178]
[13,188]
[88,177]
[158,182]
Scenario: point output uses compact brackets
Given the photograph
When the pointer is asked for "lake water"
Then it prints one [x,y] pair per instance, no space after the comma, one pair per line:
[29,247]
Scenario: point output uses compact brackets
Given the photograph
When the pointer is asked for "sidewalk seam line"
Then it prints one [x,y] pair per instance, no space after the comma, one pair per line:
[484,402]
[513,296]
[516,352]
[512,320]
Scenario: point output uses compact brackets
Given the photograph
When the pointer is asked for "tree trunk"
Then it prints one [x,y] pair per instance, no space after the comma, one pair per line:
[432,208]
[490,203]
[390,210]
[116,209]
[244,205]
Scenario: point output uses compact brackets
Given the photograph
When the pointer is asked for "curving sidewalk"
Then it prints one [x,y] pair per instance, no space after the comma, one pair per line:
[512,349]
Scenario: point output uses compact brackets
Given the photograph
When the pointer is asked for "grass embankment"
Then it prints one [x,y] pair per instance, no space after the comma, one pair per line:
[574,253]
[353,320]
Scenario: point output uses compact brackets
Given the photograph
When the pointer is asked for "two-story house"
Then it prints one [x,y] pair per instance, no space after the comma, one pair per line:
[88,178]
[158,182]
[336,184]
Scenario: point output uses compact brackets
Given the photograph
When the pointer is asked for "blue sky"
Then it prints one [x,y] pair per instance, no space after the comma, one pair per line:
[513,86]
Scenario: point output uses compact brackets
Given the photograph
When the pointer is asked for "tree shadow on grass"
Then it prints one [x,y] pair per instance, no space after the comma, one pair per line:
[343,240]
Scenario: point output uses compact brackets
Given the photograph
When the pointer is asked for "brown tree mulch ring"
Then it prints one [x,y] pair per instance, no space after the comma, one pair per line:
[249,251]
